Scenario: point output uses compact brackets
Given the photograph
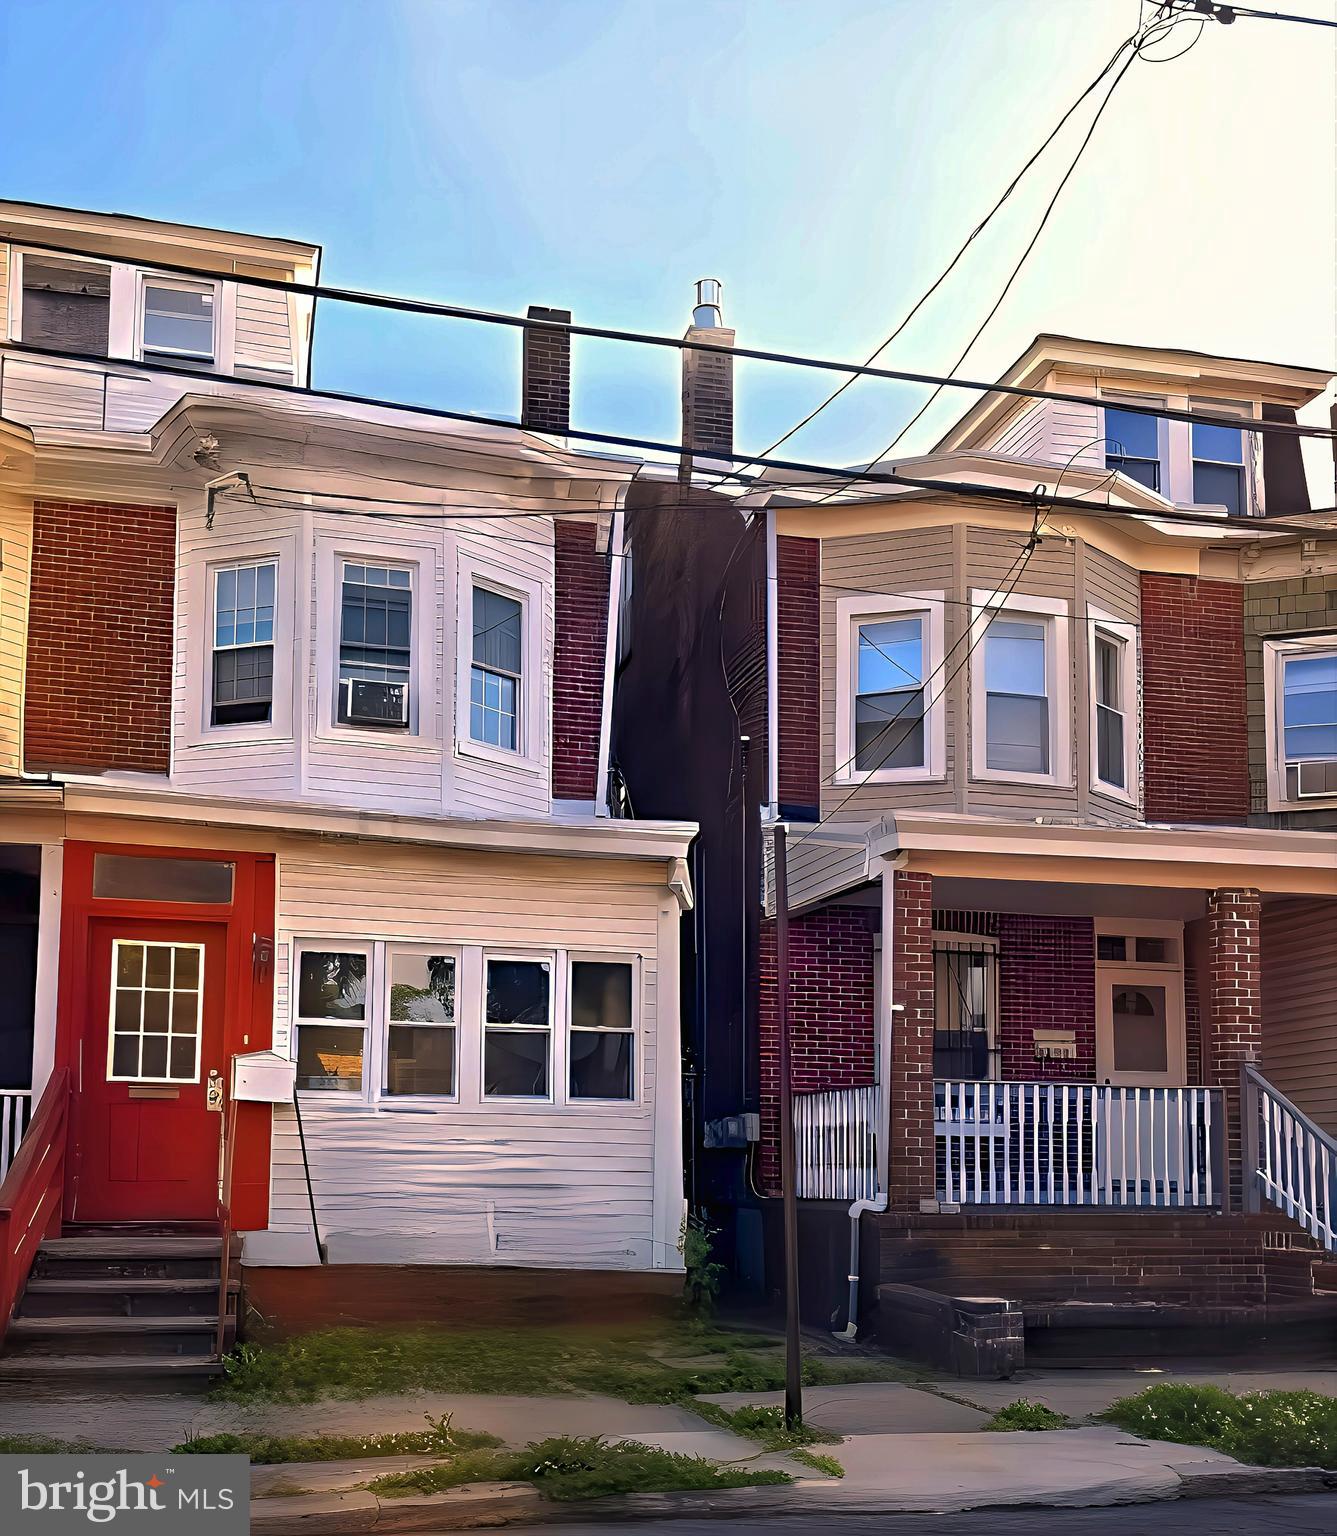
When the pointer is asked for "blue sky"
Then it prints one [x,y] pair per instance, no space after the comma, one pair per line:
[823,159]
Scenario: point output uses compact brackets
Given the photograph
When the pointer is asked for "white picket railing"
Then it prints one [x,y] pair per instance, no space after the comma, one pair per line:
[835,1148]
[1077,1144]
[1288,1158]
[15,1112]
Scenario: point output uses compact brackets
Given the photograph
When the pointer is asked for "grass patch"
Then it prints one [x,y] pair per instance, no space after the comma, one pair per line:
[565,1468]
[820,1462]
[637,1365]
[766,1426]
[1026,1415]
[1268,1429]
[440,1438]
[47,1445]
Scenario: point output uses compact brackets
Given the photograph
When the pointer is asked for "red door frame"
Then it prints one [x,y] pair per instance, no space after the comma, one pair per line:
[248,1000]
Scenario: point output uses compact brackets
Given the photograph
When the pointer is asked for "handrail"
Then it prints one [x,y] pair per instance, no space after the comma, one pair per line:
[33,1192]
[1253,1075]
[1287,1158]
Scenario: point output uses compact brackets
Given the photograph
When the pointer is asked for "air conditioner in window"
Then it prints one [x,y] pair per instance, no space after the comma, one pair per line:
[1313,778]
[369,703]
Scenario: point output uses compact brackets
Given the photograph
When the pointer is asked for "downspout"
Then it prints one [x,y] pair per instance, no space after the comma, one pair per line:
[878,1203]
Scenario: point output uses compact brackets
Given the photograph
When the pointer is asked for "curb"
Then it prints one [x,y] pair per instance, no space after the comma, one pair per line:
[497,1504]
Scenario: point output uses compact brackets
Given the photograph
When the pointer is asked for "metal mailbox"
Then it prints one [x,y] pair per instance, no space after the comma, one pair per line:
[263,1077]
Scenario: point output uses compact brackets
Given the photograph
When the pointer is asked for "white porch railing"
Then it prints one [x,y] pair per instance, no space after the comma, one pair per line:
[835,1149]
[15,1112]
[1288,1158]
[1077,1144]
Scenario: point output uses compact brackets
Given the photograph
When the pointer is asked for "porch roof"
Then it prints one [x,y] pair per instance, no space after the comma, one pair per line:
[1266,859]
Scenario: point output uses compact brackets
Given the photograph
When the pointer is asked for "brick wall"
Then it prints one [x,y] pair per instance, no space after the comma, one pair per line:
[99,683]
[1196,766]
[1046,980]
[707,392]
[912,1140]
[798,574]
[1235,1007]
[545,388]
[1273,610]
[831,1030]
[581,624]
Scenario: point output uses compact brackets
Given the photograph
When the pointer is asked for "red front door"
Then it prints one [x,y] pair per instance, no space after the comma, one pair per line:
[152,1033]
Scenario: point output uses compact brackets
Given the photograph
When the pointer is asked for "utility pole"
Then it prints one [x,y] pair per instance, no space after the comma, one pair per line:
[788,1183]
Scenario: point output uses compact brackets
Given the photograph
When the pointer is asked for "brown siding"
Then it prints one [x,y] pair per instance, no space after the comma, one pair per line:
[99,676]
[797,568]
[580,622]
[1299,955]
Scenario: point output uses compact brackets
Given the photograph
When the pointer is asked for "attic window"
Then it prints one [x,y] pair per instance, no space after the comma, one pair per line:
[178,320]
[66,304]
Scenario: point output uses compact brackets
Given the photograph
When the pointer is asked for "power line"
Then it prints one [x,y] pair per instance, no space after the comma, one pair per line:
[1226,14]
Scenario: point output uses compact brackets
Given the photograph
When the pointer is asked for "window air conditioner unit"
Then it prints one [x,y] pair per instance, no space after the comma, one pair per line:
[368,703]
[1314,778]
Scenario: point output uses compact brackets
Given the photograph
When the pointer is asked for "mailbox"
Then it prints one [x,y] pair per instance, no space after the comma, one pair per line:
[263,1077]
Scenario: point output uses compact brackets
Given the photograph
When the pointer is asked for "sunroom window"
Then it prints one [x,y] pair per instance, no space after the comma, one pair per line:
[331,1019]
[603,1047]
[421,1044]
[517,1028]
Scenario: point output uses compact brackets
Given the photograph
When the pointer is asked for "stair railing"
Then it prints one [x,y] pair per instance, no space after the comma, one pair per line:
[227,1131]
[33,1192]
[1287,1158]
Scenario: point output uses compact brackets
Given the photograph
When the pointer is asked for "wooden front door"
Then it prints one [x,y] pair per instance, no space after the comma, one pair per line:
[1140,1027]
[152,1035]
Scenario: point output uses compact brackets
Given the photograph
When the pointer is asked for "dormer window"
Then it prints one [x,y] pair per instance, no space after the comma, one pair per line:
[1187,462]
[178,320]
[1218,467]
[1133,445]
[66,304]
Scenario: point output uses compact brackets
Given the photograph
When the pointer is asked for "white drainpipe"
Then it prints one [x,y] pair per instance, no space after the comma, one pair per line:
[879,1201]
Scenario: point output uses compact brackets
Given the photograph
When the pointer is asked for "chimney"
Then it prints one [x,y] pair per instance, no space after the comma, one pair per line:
[545,387]
[707,380]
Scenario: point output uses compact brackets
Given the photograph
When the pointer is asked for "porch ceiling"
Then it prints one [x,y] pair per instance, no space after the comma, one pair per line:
[1047,897]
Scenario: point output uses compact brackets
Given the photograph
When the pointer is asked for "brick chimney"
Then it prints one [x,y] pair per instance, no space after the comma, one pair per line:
[707,380]
[545,388]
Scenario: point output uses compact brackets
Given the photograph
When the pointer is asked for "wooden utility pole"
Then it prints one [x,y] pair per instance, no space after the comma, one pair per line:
[788,1182]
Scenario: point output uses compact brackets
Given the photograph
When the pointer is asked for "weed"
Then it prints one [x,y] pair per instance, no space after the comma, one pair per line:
[1026,1415]
[47,1445]
[766,1426]
[819,1462]
[701,1283]
[440,1438]
[1270,1429]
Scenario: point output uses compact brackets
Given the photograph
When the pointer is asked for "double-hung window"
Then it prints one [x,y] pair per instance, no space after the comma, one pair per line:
[177,320]
[375,645]
[889,694]
[331,1017]
[496,679]
[517,1028]
[242,672]
[421,1045]
[1133,444]
[1017,704]
[1218,466]
[1307,710]
[1113,715]
[602,1038]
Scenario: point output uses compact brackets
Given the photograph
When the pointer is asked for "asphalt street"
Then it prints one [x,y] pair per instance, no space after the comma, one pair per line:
[1309,1516]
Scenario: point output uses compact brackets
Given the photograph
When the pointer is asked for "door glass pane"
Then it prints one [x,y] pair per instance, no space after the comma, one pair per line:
[1138,1016]
[128,877]
[155,1012]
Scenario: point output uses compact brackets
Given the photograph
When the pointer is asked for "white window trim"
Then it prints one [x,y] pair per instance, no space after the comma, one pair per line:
[144,277]
[199,593]
[850,613]
[556,1028]
[368,1024]
[112,1077]
[533,715]
[1174,442]
[1143,928]
[419,557]
[1100,622]
[387,950]
[610,957]
[1275,653]
[1054,612]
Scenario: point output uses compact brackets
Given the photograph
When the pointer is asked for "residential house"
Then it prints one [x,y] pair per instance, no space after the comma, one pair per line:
[305,845]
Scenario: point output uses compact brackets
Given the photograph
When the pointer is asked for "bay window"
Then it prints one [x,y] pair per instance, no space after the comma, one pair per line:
[889,718]
[496,679]
[1017,718]
[375,645]
[242,672]
[1113,709]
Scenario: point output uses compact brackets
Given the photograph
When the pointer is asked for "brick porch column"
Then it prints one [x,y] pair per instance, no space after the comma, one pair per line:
[911,1067]
[1234,1017]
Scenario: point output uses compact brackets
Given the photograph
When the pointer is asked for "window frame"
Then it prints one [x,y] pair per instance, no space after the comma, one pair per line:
[1055,615]
[145,278]
[215,569]
[1174,441]
[853,612]
[1277,650]
[389,948]
[334,944]
[531,733]
[19,255]
[574,957]
[554,1033]
[1117,401]
[1104,625]
[341,565]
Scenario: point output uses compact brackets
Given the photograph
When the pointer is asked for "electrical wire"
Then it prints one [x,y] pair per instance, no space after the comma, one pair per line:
[1226,14]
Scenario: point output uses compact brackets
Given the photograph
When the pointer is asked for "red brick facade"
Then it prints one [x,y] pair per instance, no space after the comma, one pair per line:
[581,624]
[1046,980]
[99,681]
[797,593]
[912,1141]
[1235,1007]
[1196,750]
[831,1030]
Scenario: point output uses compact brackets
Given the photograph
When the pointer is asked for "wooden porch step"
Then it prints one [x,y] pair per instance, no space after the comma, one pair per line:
[21,1328]
[99,1284]
[124,1373]
[166,1246]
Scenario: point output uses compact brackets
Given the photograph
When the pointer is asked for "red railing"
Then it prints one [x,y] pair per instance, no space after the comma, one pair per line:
[32,1193]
